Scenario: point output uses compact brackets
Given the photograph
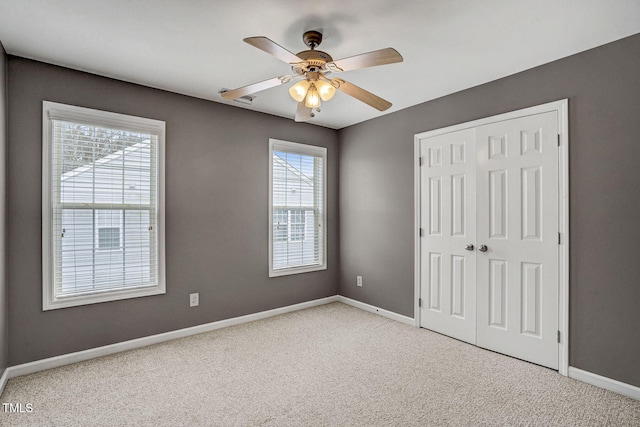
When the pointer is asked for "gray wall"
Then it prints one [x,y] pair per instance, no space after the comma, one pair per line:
[603,87]
[217,160]
[3,210]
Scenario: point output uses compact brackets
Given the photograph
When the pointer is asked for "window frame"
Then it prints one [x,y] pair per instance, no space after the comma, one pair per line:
[307,150]
[56,111]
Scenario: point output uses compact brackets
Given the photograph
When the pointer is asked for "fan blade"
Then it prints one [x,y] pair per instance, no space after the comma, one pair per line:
[361,94]
[252,88]
[273,48]
[303,113]
[371,59]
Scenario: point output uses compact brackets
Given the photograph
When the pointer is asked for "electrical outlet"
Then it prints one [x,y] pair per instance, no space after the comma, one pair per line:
[359,280]
[194,300]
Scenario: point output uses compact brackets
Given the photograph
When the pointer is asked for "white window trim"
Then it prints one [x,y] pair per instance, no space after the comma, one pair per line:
[51,111]
[309,150]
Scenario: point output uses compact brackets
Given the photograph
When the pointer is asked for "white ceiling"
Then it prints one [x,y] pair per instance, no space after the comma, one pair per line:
[195,47]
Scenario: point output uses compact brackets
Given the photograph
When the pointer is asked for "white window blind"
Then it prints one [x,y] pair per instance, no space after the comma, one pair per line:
[297,236]
[102,216]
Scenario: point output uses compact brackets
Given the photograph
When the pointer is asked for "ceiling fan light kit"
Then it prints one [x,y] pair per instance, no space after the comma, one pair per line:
[326,90]
[312,100]
[299,90]
[313,66]
[311,92]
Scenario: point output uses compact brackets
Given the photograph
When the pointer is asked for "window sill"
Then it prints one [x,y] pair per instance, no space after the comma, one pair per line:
[296,270]
[74,301]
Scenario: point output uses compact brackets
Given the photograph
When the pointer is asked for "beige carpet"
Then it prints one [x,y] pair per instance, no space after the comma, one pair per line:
[333,365]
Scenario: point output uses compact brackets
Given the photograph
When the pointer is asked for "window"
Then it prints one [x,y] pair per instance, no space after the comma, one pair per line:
[280,225]
[109,226]
[289,225]
[109,238]
[298,224]
[297,215]
[103,206]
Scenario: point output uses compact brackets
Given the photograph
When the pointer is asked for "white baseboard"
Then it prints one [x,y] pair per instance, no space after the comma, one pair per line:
[372,309]
[604,382]
[3,380]
[67,359]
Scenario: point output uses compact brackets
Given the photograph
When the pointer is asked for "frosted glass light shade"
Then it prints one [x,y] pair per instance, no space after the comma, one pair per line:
[326,90]
[313,97]
[299,90]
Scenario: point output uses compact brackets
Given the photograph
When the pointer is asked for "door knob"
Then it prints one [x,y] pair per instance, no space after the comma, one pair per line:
[468,247]
[483,248]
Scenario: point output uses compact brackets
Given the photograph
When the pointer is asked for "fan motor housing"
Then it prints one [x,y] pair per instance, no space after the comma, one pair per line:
[314,59]
[317,57]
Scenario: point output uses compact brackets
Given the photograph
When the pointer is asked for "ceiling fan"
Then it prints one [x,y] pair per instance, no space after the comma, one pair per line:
[313,67]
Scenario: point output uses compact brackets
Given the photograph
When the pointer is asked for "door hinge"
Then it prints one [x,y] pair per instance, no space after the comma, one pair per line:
[421,232]
[558,140]
[420,160]
[419,302]
[558,238]
[558,337]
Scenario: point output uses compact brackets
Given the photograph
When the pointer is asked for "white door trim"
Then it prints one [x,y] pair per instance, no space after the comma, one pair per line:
[561,108]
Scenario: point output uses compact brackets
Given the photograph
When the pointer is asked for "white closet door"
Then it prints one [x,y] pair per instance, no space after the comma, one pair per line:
[448,203]
[517,213]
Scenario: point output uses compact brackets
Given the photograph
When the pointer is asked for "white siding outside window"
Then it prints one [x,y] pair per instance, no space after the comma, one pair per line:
[297,208]
[103,206]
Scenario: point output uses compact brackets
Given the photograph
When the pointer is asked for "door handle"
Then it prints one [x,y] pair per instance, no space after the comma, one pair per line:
[468,247]
[483,248]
